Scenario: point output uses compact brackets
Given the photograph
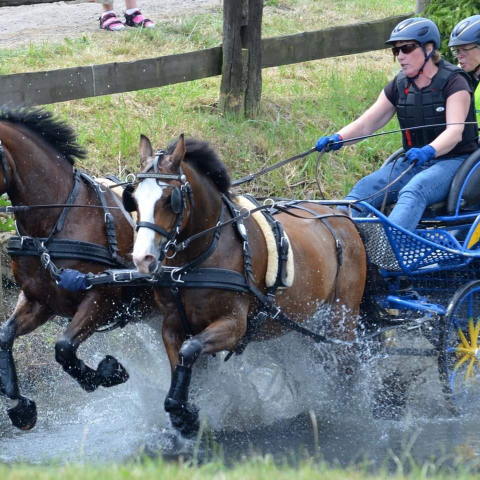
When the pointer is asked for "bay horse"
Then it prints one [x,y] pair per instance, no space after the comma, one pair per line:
[37,155]
[182,193]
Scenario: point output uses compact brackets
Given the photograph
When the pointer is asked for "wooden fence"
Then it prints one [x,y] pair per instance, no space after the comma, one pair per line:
[53,86]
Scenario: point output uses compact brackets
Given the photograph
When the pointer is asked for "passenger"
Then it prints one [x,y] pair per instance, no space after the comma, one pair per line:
[427,91]
[465,45]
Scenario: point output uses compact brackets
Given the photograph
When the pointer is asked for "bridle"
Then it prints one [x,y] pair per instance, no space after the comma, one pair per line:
[178,199]
[4,164]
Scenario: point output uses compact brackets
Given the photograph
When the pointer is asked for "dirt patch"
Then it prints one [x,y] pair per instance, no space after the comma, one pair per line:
[55,21]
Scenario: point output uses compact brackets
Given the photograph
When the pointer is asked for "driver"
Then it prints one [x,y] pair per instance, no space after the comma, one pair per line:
[427,91]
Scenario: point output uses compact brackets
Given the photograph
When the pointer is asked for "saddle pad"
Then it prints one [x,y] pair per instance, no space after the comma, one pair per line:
[272,261]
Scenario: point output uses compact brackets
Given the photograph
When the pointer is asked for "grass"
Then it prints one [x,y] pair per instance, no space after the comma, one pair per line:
[299,102]
[261,468]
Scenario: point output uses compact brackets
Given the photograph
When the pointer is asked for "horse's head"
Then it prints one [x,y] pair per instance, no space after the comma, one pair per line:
[160,201]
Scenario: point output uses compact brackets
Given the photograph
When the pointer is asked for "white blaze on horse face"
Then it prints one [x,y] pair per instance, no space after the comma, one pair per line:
[146,195]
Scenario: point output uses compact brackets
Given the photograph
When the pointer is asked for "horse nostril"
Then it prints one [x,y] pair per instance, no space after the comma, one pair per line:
[153,263]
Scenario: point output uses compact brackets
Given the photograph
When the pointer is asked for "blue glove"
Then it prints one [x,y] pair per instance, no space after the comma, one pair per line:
[418,156]
[326,143]
[73,280]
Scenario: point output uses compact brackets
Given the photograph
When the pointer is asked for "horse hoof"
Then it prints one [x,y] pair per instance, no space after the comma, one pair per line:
[111,372]
[24,415]
[390,401]
[186,420]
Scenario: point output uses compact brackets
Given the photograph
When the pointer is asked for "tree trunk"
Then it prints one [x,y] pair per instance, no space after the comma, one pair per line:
[241,85]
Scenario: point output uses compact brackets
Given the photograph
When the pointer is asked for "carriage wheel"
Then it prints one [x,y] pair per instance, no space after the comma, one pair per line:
[459,355]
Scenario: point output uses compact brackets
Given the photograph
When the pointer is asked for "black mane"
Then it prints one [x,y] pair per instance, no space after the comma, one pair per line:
[53,131]
[205,160]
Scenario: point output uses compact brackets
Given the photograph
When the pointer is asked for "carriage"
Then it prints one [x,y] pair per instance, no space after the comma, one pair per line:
[426,281]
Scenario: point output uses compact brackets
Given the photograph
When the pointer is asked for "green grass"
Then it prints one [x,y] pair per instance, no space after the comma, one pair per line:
[261,468]
[299,102]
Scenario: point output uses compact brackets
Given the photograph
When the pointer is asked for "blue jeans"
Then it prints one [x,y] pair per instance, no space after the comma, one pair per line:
[420,187]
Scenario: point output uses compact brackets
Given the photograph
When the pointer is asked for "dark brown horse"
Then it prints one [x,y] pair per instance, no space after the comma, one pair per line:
[37,155]
[182,193]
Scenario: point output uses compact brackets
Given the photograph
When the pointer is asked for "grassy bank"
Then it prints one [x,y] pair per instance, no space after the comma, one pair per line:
[299,102]
[261,468]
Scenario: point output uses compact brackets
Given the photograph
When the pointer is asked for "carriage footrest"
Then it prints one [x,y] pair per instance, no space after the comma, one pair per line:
[412,302]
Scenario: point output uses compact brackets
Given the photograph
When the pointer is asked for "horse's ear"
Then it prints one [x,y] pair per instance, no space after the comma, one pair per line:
[178,154]
[146,151]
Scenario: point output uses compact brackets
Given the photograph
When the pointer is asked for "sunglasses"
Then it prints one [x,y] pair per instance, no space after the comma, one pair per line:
[408,48]
[462,51]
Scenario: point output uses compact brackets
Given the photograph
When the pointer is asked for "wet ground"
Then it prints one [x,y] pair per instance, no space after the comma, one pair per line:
[276,398]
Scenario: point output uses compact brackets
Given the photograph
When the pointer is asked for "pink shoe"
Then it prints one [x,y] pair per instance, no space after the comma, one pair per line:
[136,19]
[111,23]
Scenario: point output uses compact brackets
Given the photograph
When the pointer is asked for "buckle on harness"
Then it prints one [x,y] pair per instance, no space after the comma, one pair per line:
[131,178]
[277,312]
[176,280]
[117,279]
[45,259]
[170,245]
[22,239]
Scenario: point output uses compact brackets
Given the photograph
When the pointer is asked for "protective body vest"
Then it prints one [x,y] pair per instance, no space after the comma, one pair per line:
[427,106]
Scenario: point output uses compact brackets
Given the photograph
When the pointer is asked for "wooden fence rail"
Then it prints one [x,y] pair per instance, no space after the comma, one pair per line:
[53,86]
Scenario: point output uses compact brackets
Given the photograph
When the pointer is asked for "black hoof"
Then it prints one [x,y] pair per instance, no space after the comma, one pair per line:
[390,401]
[24,415]
[185,420]
[110,372]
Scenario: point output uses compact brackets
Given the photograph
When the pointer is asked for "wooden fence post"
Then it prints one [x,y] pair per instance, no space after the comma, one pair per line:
[241,85]
[421,5]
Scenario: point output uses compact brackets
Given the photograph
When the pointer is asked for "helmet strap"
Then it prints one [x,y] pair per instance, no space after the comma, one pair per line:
[427,58]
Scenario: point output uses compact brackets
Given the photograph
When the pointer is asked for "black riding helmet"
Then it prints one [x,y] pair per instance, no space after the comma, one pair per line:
[465,32]
[420,30]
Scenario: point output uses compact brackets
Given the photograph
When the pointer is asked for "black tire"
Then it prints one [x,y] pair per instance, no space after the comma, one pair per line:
[460,370]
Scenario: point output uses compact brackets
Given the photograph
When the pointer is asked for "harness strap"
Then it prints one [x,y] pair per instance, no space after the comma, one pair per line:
[62,248]
[73,195]
[181,311]
[282,245]
[108,220]
[114,178]
[155,228]
[3,159]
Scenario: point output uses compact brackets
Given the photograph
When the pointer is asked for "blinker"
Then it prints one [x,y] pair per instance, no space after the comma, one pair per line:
[176,200]
[127,198]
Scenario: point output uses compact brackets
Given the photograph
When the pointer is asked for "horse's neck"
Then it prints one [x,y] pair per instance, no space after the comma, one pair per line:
[39,177]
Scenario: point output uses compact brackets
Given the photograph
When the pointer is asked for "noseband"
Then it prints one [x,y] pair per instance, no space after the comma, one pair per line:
[178,199]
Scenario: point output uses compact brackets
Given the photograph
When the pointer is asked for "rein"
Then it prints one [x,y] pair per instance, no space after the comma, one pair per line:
[26,208]
[252,176]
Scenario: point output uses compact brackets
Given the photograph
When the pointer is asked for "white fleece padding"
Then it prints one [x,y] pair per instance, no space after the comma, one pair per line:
[272,261]
[105,183]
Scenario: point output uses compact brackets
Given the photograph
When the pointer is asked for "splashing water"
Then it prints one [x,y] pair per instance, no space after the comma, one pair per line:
[263,401]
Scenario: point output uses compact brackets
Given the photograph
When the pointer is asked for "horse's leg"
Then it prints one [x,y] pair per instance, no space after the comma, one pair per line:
[109,372]
[26,317]
[223,334]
